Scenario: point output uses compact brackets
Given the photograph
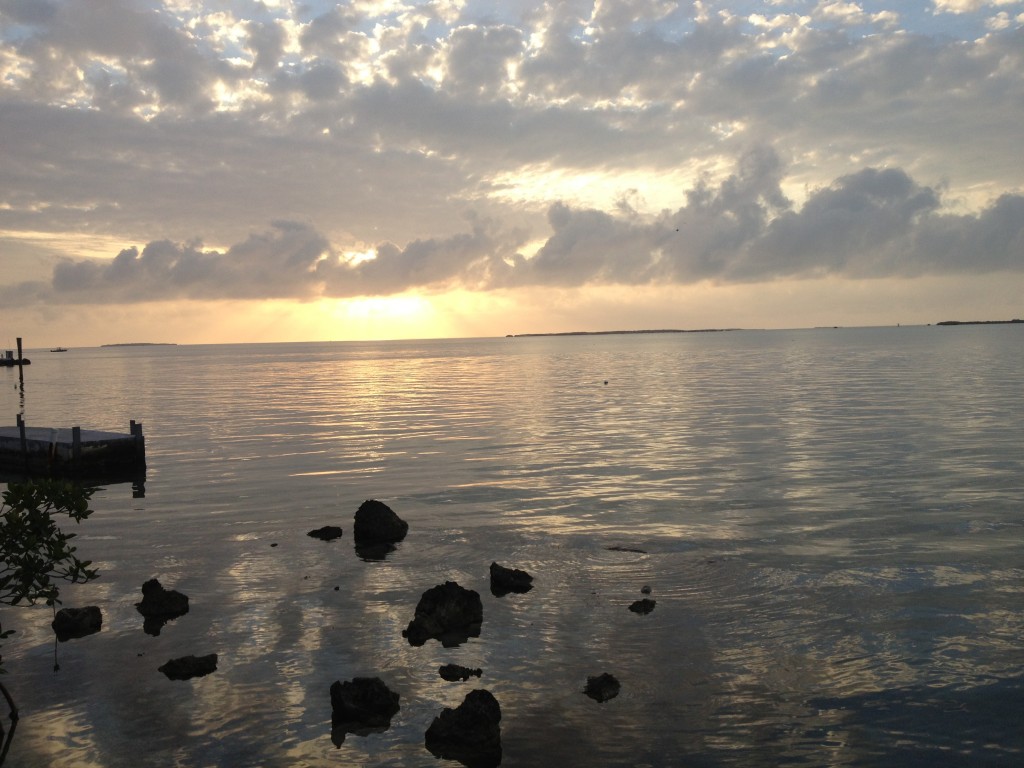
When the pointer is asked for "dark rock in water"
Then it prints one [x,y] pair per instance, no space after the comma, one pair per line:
[453,672]
[157,601]
[642,607]
[71,623]
[617,548]
[327,533]
[376,523]
[470,733]
[447,612]
[159,606]
[602,687]
[362,706]
[505,580]
[646,590]
[188,667]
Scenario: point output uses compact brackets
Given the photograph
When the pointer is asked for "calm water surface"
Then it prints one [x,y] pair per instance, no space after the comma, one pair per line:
[832,524]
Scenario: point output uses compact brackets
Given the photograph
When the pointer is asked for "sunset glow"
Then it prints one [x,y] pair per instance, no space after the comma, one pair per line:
[389,168]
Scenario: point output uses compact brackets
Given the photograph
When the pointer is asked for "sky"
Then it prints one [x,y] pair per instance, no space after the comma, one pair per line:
[299,170]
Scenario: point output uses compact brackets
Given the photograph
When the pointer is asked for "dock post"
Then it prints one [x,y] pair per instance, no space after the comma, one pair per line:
[24,438]
[140,442]
[76,444]
[19,350]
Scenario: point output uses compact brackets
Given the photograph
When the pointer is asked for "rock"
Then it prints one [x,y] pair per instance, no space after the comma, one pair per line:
[327,533]
[644,606]
[646,590]
[376,523]
[361,706]
[71,623]
[157,601]
[159,606]
[470,733]
[453,672]
[505,580]
[447,612]
[188,667]
[602,687]
[617,548]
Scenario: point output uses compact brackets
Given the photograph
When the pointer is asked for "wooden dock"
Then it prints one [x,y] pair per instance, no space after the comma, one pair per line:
[71,451]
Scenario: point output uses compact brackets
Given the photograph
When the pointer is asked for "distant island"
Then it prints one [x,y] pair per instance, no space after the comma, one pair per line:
[616,333]
[142,344]
[979,322]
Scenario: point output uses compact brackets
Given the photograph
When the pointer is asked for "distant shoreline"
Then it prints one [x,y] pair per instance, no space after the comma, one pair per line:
[618,333]
[979,322]
[142,344]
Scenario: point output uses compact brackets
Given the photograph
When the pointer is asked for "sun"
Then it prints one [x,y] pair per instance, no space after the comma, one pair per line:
[401,316]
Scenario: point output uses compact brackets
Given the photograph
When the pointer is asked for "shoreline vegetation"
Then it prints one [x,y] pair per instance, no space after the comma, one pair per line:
[142,344]
[726,330]
[616,333]
[980,322]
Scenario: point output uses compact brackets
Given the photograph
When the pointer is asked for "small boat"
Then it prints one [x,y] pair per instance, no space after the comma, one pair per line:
[59,349]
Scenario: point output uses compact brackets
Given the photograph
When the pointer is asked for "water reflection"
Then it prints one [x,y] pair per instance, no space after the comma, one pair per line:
[830,530]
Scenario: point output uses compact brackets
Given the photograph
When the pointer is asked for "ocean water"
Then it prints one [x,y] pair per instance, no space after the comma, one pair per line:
[831,522]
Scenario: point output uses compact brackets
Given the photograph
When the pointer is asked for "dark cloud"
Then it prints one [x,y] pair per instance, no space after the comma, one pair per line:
[266,45]
[478,57]
[278,264]
[875,223]
[872,224]
[291,261]
[33,12]
[148,55]
[478,259]
[850,227]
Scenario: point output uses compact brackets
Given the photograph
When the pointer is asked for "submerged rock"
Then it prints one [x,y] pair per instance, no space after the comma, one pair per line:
[470,733]
[159,606]
[187,667]
[602,687]
[71,623]
[505,580]
[617,548]
[361,706]
[453,672]
[447,612]
[376,523]
[644,606]
[327,533]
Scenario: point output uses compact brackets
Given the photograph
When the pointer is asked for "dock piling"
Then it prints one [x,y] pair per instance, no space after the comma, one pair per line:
[135,428]
[24,439]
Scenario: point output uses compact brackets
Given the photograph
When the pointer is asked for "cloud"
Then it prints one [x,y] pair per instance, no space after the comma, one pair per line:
[874,223]
[277,264]
[969,6]
[75,49]
[290,261]
[850,227]
[489,146]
